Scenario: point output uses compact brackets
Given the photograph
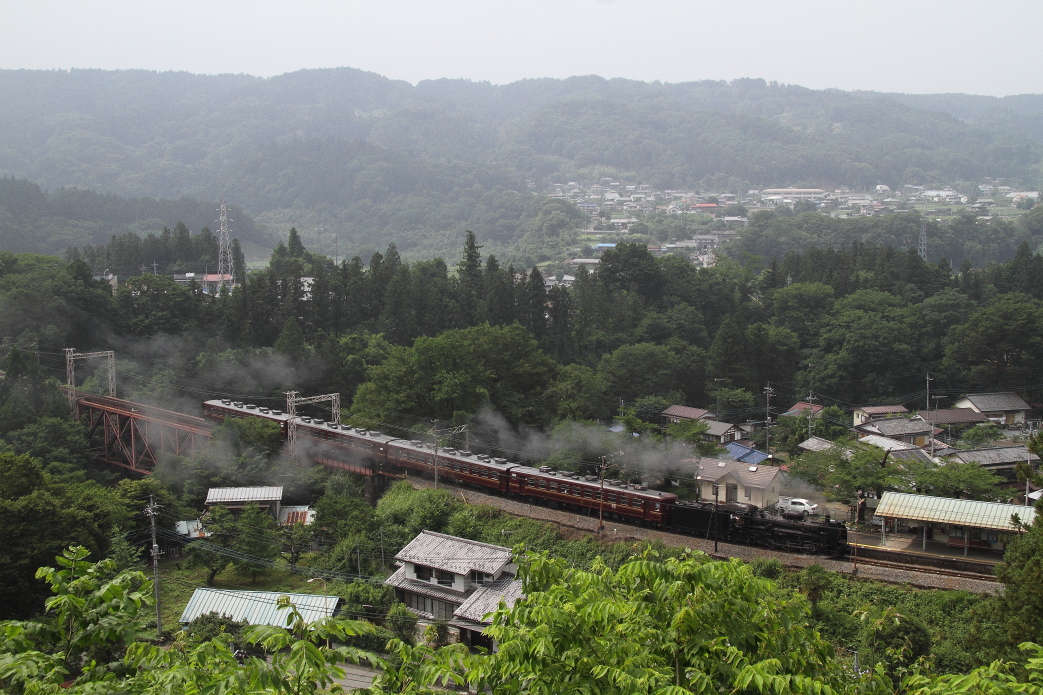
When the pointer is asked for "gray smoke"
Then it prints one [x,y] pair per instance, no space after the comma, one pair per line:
[639,456]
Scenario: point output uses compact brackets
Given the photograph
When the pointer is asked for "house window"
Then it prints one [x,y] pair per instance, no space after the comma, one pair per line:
[445,578]
[479,577]
[747,493]
[423,573]
[441,610]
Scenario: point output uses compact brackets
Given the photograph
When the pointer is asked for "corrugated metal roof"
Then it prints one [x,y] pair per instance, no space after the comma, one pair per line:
[995,402]
[942,510]
[815,444]
[302,514]
[745,454]
[220,495]
[452,554]
[886,443]
[256,607]
[912,455]
[485,600]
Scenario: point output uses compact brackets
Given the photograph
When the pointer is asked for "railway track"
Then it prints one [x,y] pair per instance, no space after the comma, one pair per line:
[868,568]
[940,571]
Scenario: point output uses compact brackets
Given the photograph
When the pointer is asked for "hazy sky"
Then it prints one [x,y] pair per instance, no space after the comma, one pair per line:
[908,46]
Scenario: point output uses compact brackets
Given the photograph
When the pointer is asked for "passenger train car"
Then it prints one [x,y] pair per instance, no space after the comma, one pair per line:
[370,452]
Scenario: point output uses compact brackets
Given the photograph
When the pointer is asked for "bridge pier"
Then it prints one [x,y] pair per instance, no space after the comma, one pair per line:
[374,487]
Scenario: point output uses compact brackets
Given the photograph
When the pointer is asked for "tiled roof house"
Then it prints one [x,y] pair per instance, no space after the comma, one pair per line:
[454,579]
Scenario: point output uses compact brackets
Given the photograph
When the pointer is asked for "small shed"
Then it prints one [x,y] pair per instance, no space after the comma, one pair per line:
[237,499]
[956,523]
[256,607]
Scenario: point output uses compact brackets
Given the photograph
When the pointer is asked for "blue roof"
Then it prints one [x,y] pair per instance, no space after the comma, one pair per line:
[605,246]
[745,454]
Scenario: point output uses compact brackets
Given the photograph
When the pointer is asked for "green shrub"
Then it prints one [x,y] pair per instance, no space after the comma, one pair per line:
[769,568]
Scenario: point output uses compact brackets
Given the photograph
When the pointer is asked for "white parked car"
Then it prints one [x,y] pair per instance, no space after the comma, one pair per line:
[797,505]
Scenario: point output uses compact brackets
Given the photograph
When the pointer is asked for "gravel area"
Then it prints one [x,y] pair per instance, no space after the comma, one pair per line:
[569,523]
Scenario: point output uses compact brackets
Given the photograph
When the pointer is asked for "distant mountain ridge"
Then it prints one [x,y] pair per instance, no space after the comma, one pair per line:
[381,160]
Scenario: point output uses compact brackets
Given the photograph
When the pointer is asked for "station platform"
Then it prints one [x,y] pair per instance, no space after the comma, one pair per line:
[908,543]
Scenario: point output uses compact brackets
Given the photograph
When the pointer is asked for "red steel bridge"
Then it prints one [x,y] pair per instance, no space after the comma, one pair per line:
[133,434]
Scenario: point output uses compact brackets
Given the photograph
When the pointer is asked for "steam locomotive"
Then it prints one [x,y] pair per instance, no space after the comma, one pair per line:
[367,451]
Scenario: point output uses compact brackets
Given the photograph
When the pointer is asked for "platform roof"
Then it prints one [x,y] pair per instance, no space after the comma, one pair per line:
[256,607]
[942,510]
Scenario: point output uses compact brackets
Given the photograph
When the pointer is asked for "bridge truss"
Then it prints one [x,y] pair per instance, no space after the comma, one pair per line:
[133,435]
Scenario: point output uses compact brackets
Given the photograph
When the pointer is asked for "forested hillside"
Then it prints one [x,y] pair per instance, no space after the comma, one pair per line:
[49,222]
[1019,114]
[379,160]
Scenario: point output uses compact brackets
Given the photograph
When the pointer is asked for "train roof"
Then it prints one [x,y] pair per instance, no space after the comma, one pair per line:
[302,420]
[722,507]
[613,485]
[249,408]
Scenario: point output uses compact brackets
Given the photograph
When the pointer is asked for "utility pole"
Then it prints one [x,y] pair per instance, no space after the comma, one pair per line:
[768,393]
[934,420]
[436,452]
[151,510]
[1028,467]
[715,383]
[811,403]
[811,411]
[601,501]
